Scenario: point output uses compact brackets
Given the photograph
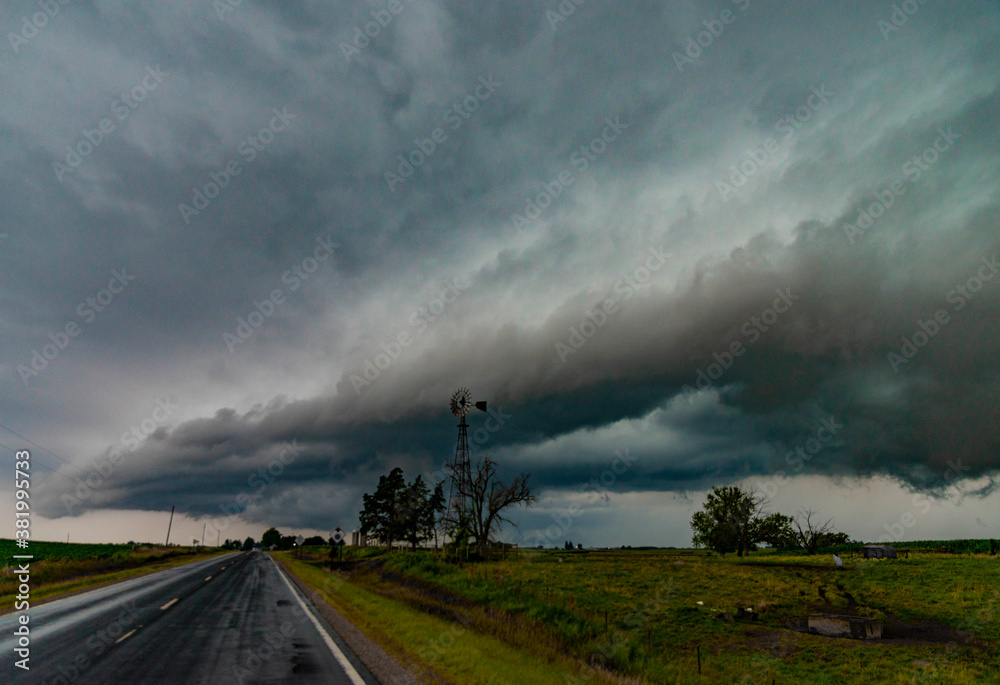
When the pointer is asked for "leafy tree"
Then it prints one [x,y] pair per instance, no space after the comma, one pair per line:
[729,521]
[776,530]
[382,514]
[834,539]
[402,511]
[271,537]
[421,508]
[315,540]
[732,521]
[568,544]
[711,534]
[433,509]
[413,502]
[247,544]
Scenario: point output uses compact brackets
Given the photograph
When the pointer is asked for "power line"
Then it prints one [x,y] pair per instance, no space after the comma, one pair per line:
[65,461]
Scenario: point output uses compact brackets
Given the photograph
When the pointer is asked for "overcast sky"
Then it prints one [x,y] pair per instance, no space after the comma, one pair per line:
[670,243]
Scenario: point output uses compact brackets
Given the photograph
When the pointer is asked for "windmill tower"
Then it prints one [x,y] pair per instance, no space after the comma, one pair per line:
[461,466]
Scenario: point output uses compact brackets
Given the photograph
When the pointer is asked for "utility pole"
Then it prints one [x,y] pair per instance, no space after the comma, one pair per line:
[165,544]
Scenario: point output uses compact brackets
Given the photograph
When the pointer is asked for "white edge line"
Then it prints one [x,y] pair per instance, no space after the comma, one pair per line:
[339,655]
[169,604]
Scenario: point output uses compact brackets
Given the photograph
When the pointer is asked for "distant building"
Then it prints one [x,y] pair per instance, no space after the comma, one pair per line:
[879,552]
[359,539]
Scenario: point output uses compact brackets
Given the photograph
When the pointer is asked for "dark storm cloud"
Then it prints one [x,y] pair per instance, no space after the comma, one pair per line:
[824,354]
[655,187]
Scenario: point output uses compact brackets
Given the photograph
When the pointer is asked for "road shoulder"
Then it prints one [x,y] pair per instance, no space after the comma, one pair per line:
[383,665]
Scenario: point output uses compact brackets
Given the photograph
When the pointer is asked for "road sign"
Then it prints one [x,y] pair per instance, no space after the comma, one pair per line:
[338,535]
[299,540]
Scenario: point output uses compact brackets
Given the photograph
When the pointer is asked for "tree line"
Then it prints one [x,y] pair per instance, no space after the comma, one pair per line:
[246,545]
[733,520]
[415,513]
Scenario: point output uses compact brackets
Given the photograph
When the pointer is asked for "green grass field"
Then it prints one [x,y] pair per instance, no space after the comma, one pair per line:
[941,612]
[428,643]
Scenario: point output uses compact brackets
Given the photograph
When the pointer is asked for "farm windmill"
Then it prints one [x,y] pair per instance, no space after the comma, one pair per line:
[461,467]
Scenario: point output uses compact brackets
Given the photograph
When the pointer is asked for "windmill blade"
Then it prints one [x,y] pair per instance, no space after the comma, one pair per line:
[461,401]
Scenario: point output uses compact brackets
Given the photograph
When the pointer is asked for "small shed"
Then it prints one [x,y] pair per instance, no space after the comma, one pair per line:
[879,552]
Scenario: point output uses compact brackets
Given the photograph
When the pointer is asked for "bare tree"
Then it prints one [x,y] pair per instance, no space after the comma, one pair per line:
[487,501]
[809,534]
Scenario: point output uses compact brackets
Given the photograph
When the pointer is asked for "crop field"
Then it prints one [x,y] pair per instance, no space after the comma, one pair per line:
[63,550]
[58,567]
[660,616]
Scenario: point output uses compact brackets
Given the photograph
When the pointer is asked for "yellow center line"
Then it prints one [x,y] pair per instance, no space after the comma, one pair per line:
[169,604]
[209,578]
[124,636]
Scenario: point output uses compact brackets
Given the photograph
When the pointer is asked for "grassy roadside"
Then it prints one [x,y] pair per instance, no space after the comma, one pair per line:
[431,644]
[48,591]
[663,607]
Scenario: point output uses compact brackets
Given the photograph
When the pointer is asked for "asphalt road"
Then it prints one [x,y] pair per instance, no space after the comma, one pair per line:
[231,619]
